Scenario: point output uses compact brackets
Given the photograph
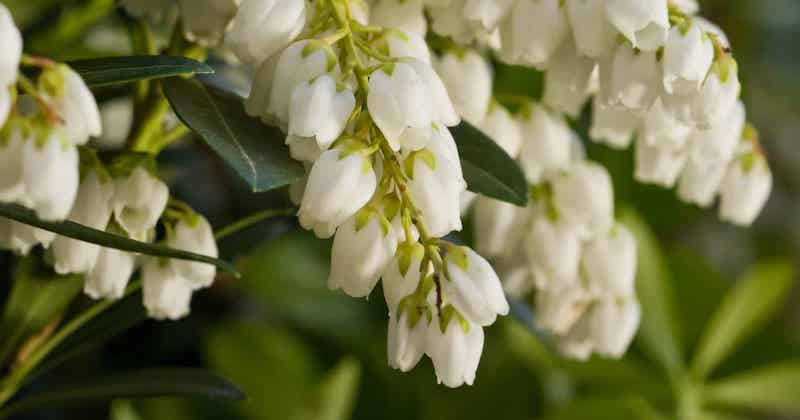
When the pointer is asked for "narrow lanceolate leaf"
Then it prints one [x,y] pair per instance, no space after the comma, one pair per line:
[488,169]
[109,240]
[117,70]
[752,302]
[336,395]
[148,383]
[659,334]
[774,389]
[255,151]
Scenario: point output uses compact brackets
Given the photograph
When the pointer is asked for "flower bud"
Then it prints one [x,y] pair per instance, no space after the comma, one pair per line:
[77,108]
[92,208]
[194,234]
[547,144]
[338,186]
[261,28]
[635,79]
[687,58]
[205,21]
[501,127]
[533,31]
[613,325]
[554,251]
[472,287]
[362,249]
[10,49]
[584,198]
[566,84]
[403,15]
[139,200]
[455,352]
[166,294]
[498,226]
[745,189]
[403,274]
[110,274]
[643,22]
[320,110]
[659,165]
[594,36]
[406,343]
[50,175]
[613,126]
[609,263]
[468,79]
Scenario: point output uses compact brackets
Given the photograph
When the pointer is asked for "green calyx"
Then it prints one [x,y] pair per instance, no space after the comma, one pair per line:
[416,309]
[458,256]
[449,313]
[90,162]
[391,206]
[725,66]
[51,81]
[427,157]
[364,215]
[407,253]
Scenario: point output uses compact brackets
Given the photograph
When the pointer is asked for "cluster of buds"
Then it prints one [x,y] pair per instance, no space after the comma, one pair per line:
[48,167]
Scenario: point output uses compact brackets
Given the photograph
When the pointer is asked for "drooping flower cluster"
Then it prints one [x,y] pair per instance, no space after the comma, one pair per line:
[48,168]
[365,111]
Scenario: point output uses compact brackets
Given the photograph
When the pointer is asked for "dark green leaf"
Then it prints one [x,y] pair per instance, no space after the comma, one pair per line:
[147,383]
[753,301]
[254,150]
[659,334]
[116,70]
[99,237]
[774,388]
[487,168]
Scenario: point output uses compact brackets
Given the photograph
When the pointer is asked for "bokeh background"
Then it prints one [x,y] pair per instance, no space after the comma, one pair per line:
[301,351]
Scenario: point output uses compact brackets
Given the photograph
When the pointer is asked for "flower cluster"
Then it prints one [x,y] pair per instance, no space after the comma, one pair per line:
[48,167]
[365,111]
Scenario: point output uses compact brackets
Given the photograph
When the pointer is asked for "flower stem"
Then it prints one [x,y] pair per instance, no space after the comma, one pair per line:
[251,220]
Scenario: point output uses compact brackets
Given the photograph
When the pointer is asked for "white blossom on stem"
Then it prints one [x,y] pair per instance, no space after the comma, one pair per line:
[594,36]
[612,126]
[643,22]
[584,198]
[546,146]
[532,32]
[468,78]
[166,294]
[406,344]
[193,233]
[205,21]
[50,175]
[139,200]
[687,58]
[10,49]
[503,128]
[77,108]
[403,274]
[566,84]
[609,263]
[110,274]
[472,286]
[660,165]
[498,225]
[745,189]
[635,79]
[320,110]
[404,15]
[455,352]
[261,28]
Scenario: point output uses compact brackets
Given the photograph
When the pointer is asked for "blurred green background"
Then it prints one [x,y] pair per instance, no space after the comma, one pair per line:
[300,351]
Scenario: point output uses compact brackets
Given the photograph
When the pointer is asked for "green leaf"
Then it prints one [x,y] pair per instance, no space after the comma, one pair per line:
[37,297]
[629,407]
[337,393]
[255,151]
[107,71]
[488,169]
[752,302]
[772,388]
[84,233]
[146,383]
[659,333]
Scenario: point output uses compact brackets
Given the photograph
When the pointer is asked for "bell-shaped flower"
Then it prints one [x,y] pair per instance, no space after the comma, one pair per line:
[5,104]
[712,29]
[404,15]
[635,79]
[116,116]
[403,274]
[660,165]
[594,36]
[261,28]
[257,102]
[110,274]
[532,32]
[455,349]
[193,233]
[516,276]
[50,175]
[448,19]
[566,83]
[10,47]
[472,286]
[340,183]
[546,146]
[613,126]
[21,238]
[435,184]
[745,189]
[718,94]
[721,140]
[12,186]
[661,128]
[553,249]
[584,197]
[362,249]
[468,78]
[319,109]
[401,45]
[205,21]
[304,149]
[406,340]
[487,14]
[76,106]
[614,323]
[139,199]
[609,263]
[92,208]
[643,22]
[700,180]
[687,58]
[166,294]
[559,308]
[501,127]
[498,226]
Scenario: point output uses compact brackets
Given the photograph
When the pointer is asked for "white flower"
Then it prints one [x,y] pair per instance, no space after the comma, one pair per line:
[498,226]
[5,104]
[110,274]
[408,45]
[487,14]
[403,274]
[472,286]
[635,79]
[50,175]
[594,36]
[10,49]
[194,234]
[408,94]
[139,200]
[447,19]
[501,127]
[362,249]
[20,238]
[116,116]
[166,294]
[613,325]
[559,308]
[720,141]
[435,184]
[687,58]
[660,128]
[257,102]
[319,109]
[609,263]
[553,249]
[643,22]
[584,197]
[404,15]
[304,149]
[718,94]
[700,180]
[532,32]
[468,78]
[92,208]
[546,146]
[745,189]
[456,352]
[12,186]
[688,7]
[77,108]
[713,29]
[339,184]
[566,84]
[261,28]
[405,345]
[205,21]
[658,164]
[612,126]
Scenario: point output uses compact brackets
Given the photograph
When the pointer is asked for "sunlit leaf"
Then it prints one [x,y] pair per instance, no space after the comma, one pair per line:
[774,388]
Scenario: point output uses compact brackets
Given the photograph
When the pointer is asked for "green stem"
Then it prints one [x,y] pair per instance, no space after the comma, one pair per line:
[248,221]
